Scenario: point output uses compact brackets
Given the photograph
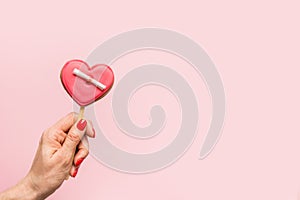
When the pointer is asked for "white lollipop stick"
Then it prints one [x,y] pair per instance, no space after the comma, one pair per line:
[89,79]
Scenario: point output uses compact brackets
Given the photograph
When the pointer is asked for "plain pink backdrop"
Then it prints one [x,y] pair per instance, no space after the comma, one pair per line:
[255,46]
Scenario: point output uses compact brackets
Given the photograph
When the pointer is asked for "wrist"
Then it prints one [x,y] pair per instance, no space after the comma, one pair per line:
[23,190]
[30,190]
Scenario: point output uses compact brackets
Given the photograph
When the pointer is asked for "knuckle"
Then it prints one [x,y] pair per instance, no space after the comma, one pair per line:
[46,132]
[73,137]
[86,152]
[59,136]
[45,135]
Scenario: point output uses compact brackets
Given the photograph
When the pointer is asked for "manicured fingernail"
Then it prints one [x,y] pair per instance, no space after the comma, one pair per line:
[81,124]
[94,133]
[79,161]
[75,172]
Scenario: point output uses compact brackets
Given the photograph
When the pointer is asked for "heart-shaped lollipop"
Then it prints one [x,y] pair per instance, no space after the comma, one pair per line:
[84,84]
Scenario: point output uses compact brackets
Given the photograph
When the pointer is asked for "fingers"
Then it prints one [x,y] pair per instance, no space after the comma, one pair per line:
[82,153]
[74,171]
[67,122]
[75,145]
[90,131]
[74,136]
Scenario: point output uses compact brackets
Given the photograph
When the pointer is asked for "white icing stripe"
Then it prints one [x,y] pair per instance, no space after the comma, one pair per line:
[89,79]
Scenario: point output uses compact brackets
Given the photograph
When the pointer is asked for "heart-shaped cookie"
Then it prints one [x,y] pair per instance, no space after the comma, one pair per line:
[84,84]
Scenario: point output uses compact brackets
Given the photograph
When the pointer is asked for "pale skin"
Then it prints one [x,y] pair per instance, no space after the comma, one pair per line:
[61,150]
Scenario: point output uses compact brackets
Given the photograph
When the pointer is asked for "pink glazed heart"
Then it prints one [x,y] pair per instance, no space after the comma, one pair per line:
[84,92]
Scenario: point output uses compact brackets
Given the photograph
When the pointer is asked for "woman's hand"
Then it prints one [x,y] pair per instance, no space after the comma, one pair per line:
[61,150]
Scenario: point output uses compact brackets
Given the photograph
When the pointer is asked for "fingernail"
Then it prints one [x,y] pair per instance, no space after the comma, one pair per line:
[94,133]
[75,172]
[81,124]
[79,161]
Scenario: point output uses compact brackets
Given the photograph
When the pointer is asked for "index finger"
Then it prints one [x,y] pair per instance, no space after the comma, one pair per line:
[67,122]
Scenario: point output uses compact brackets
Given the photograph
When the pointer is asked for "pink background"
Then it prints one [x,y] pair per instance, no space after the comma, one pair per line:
[255,46]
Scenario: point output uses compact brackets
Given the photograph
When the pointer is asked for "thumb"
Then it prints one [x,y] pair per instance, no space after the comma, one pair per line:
[74,135]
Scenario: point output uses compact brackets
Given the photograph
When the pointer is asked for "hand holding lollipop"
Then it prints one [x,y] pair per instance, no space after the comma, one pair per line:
[86,85]
[63,146]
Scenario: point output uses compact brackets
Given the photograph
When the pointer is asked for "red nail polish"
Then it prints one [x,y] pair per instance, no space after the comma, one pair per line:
[75,172]
[79,161]
[81,124]
[94,133]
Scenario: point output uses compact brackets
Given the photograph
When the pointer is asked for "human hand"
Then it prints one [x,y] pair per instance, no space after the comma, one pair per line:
[61,150]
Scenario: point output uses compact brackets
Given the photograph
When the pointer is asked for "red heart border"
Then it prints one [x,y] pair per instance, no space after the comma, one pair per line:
[68,80]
